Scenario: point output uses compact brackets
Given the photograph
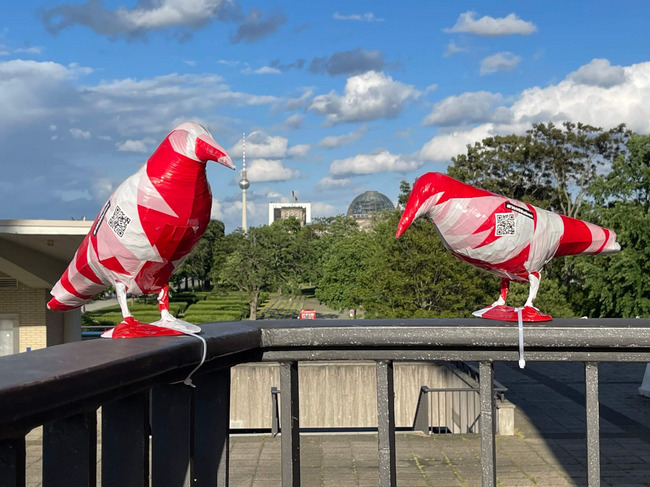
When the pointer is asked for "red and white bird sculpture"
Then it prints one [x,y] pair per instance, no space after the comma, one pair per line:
[145,230]
[506,237]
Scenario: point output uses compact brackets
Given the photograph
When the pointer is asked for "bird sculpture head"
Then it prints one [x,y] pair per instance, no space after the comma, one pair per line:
[195,142]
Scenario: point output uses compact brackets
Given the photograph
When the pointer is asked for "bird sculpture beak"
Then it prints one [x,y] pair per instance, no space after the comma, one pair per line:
[406,220]
[422,190]
[208,150]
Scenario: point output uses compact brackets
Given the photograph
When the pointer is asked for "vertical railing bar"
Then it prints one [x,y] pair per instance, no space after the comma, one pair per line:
[488,424]
[386,424]
[210,439]
[593,425]
[439,420]
[290,424]
[275,412]
[125,441]
[13,462]
[70,451]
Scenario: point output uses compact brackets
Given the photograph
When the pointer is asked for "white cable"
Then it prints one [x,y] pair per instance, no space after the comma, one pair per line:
[522,360]
[188,379]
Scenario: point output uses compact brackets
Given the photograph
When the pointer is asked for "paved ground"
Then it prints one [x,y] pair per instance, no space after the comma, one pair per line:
[547,450]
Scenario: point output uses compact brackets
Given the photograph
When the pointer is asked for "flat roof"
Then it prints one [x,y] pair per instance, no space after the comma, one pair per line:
[45,227]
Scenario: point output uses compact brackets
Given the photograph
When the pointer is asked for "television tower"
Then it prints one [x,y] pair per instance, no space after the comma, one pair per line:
[244,184]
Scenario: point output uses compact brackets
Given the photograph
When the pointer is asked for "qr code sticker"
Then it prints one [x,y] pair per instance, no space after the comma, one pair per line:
[505,224]
[119,221]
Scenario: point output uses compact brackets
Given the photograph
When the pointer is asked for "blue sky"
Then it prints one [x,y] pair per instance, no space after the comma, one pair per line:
[335,98]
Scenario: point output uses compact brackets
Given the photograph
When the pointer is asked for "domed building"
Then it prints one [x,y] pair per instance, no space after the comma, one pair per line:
[364,205]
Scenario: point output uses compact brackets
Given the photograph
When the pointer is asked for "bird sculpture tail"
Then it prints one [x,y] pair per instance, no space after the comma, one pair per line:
[79,283]
[580,237]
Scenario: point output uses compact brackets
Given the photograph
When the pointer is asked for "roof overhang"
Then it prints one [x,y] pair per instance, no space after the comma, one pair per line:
[36,252]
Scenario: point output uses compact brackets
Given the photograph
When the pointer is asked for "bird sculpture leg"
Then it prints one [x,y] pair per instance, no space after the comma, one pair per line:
[529,312]
[120,290]
[533,279]
[167,320]
[505,286]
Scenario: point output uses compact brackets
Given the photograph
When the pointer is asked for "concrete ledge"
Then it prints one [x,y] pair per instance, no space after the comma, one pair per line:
[505,418]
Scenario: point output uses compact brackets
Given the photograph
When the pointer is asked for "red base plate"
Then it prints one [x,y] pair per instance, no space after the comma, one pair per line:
[132,328]
[508,313]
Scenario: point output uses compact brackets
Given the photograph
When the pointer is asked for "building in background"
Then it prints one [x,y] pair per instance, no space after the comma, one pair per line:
[33,255]
[364,205]
[282,211]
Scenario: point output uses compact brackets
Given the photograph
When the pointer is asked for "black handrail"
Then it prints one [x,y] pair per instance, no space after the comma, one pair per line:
[62,386]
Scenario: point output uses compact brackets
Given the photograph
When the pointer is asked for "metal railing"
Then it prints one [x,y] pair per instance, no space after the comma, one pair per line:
[139,385]
[453,410]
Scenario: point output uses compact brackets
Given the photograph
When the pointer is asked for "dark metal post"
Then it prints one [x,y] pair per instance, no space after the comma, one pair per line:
[290,424]
[12,462]
[70,451]
[211,429]
[421,421]
[488,424]
[593,427]
[125,442]
[170,434]
[386,424]
[275,412]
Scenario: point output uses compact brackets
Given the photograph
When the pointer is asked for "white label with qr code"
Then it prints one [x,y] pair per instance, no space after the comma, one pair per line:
[119,222]
[505,224]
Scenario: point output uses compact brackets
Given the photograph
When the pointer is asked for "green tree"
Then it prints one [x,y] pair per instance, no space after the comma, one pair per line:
[549,166]
[618,285]
[342,264]
[415,276]
[266,258]
[247,267]
[198,264]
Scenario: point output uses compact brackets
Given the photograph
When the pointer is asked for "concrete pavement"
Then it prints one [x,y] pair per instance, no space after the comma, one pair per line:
[548,448]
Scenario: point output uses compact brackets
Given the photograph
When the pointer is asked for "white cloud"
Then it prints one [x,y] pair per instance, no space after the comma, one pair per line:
[301,102]
[80,134]
[145,16]
[490,26]
[134,146]
[382,161]
[299,150]
[334,141]
[367,96]
[262,70]
[28,50]
[320,208]
[570,99]
[443,147]
[261,145]
[217,211]
[501,61]
[599,72]
[367,17]
[467,108]
[452,49]
[265,170]
[294,121]
[328,183]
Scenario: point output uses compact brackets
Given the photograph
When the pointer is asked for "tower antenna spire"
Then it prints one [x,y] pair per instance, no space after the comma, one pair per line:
[244,184]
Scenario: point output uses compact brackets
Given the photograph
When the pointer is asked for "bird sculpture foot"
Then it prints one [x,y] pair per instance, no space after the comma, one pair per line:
[508,313]
[132,328]
[169,321]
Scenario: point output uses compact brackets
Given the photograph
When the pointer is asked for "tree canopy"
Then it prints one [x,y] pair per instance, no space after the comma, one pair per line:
[601,176]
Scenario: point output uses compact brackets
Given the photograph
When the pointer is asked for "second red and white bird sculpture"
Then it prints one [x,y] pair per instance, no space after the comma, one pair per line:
[145,230]
[506,237]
